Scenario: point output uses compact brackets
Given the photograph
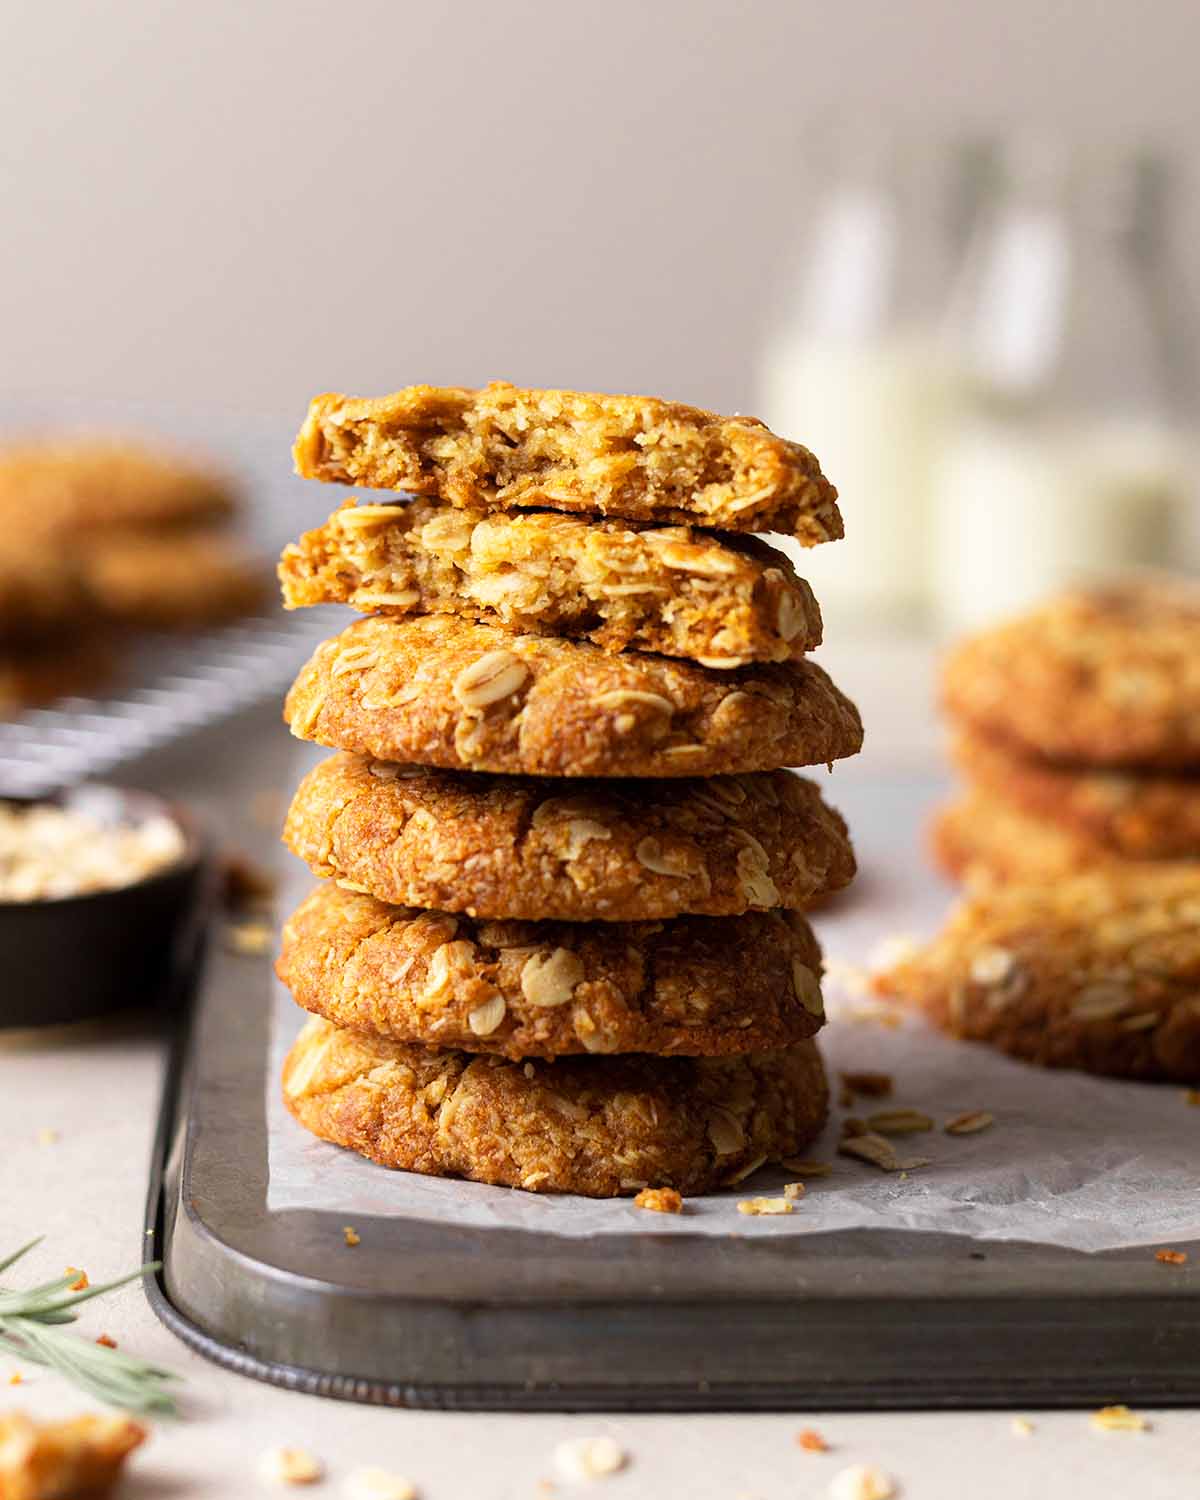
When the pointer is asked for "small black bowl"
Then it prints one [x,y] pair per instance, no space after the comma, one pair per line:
[73,958]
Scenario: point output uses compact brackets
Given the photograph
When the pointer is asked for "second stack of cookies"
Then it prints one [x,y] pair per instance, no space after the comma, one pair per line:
[558,944]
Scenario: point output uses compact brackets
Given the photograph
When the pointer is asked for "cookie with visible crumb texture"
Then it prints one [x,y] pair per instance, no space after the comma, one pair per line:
[1126,814]
[979,839]
[1101,677]
[636,457]
[532,850]
[1101,972]
[596,1126]
[441,691]
[674,590]
[700,986]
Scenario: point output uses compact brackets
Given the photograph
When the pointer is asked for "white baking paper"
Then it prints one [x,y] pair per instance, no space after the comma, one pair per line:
[1072,1161]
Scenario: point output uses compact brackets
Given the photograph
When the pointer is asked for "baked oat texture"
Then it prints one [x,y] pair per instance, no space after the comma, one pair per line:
[701,986]
[442,691]
[982,840]
[524,848]
[171,582]
[42,592]
[674,589]
[79,1459]
[598,1126]
[630,456]
[65,486]
[1102,677]
[1101,972]
[1132,815]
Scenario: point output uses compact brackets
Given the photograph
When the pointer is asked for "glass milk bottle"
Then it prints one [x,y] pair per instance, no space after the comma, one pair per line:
[1068,461]
[851,367]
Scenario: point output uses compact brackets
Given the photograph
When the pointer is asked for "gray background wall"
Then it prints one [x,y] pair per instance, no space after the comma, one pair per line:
[236,204]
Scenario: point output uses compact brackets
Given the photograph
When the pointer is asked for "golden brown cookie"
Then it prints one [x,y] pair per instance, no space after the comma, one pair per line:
[171,581]
[67,486]
[521,847]
[981,839]
[445,692]
[673,589]
[599,1126]
[703,986]
[1102,677]
[34,674]
[1101,972]
[42,593]
[630,456]
[1133,815]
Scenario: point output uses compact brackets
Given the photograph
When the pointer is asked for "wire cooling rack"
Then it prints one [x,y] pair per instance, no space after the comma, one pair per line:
[169,687]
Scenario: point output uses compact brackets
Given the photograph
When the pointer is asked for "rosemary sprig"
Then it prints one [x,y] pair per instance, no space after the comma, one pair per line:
[30,1328]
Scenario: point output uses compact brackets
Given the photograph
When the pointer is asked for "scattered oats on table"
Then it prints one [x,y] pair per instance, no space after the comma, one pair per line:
[290,1466]
[879,1151]
[1022,1427]
[758,1206]
[861,1482]
[969,1123]
[589,1458]
[663,1200]
[1118,1419]
[378,1484]
[899,1122]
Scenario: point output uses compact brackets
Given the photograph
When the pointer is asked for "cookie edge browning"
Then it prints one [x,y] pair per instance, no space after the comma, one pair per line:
[796,500]
[443,980]
[523,849]
[984,978]
[720,1116]
[487,699]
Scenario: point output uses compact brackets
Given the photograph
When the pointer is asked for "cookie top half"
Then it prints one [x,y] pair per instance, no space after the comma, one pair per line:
[637,457]
[1105,676]
[518,847]
[1101,972]
[598,1126]
[442,691]
[723,601]
[700,986]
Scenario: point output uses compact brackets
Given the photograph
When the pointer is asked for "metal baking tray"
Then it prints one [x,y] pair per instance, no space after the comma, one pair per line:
[438,1316]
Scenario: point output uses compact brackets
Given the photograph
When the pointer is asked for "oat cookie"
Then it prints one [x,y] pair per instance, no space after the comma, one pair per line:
[32,674]
[598,1126]
[170,582]
[67,487]
[1103,677]
[521,847]
[702,986]
[630,456]
[1134,815]
[672,589]
[1101,972]
[42,593]
[983,840]
[445,692]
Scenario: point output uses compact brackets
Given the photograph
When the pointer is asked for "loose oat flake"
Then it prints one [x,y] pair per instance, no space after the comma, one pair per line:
[756,1206]
[290,1466]
[968,1123]
[351,1236]
[378,1484]
[1118,1419]
[861,1482]
[1022,1427]
[589,1458]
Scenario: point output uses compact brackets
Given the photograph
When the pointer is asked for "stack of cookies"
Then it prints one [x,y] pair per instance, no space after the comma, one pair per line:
[559,942]
[1077,728]
[103,537]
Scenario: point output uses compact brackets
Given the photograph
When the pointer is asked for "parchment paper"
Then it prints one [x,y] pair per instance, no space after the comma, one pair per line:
[1072,1161]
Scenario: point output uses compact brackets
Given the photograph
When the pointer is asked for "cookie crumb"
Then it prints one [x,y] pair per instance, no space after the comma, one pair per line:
[811,1441]
[793,1190]
[81,1282]
[664,1200]
[1022,1427]
[105,1342]
[290,1466]
[861,1482]
[16,1378]
[757,1206]
[351,1236]
[46,1136]
[1118,1419]
[589,1458]
[969,1122]
[1171,1257]
[872,1085]
[378,1484]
